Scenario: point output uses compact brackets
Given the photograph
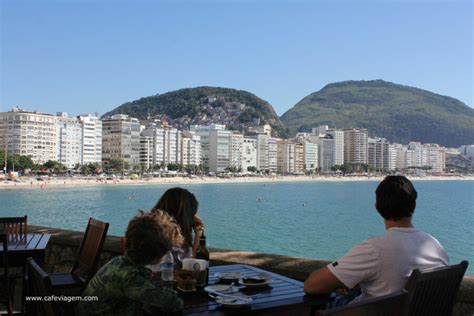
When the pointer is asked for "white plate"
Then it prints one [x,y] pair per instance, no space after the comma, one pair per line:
[266,280]
[234,301]
[221,288]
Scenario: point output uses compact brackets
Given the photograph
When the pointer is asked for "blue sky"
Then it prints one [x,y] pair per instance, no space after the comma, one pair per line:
[91,56]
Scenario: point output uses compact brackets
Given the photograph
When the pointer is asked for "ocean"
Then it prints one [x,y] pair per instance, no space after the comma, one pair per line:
[320,220]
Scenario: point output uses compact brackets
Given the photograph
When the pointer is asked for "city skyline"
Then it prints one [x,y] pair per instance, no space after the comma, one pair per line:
[87,57]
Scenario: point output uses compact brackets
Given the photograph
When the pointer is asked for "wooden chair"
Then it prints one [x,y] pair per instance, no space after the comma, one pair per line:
[387,305]
[6,288]
[87,259]
[40,286]
[16,228]
[432,292]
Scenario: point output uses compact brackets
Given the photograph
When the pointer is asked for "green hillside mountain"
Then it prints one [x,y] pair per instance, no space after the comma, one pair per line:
[398,113]
[238,109]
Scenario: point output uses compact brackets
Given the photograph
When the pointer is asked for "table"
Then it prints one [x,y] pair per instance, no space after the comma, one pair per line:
[284,296]
[34,246]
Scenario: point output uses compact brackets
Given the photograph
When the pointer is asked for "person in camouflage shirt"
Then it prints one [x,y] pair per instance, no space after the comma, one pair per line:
[122,286]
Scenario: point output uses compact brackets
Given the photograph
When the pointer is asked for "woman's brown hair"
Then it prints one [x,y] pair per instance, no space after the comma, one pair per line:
[182,206]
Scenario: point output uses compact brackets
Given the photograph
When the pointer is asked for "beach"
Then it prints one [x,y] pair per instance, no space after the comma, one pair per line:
[72,182]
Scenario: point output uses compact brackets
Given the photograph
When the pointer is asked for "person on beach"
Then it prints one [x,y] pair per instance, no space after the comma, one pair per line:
[122,286]
[182,205]
[382,265]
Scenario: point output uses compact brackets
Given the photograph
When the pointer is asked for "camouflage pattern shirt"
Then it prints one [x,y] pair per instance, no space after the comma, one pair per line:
[122,288]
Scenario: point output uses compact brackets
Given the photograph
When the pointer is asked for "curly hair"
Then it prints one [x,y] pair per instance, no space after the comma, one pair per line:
[150,236]
[182,205]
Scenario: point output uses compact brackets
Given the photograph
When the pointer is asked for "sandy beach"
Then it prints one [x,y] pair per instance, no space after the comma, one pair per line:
[54,182]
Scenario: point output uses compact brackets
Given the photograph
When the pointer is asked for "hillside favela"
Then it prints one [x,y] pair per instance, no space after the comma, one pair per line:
[247,158]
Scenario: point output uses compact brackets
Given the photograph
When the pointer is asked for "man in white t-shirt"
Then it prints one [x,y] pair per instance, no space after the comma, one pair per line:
[382,265]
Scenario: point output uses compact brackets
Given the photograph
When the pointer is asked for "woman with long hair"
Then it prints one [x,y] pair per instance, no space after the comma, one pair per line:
[182,205]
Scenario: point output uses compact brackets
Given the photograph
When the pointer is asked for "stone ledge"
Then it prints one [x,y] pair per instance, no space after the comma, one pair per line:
[62,250]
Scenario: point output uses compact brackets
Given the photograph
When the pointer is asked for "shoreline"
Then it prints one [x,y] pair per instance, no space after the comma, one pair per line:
[33,184]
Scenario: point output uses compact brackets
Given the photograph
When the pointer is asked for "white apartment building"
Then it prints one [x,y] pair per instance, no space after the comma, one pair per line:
[29,133]
[157,135]
[219,150]
[216,146]
[310,155]
[420,155]
[272,154]
[146,152]
[390,157]
[355,146]
[172,146]
[121,139]
[69,140]
[249,153]
[436,157]
[236,152]
[91,139]
[191,149]
[401,163]
[338,136]
[262,151]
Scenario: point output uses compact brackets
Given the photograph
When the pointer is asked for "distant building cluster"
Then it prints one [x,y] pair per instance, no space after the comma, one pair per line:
[155,145]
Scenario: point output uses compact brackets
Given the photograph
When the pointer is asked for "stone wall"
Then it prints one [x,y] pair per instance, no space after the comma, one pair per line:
[63,247]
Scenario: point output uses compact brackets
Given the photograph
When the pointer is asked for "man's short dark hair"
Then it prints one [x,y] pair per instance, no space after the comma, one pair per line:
[395,198]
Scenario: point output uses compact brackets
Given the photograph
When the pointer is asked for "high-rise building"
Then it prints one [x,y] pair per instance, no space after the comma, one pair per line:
[68,140]
[236,152]
[272,154]
[299,159]
[172,146]
[146,152]
[326,152]
[355,146]
[215,146]
[262,151]
[249,153]
[310,156]
[377,148]
[436,158]
[420,155]
[30,134]
[338,148]
[286,156]
[191,149]
[91,139]
[121,139]
[157,136]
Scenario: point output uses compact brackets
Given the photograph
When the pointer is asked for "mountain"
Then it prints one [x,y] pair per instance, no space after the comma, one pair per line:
[238,109]
[398,113]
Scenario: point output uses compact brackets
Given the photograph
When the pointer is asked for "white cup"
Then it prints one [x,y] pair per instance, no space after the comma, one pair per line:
[190,264]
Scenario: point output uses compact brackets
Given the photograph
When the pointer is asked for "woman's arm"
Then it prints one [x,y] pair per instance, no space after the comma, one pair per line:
[198,230]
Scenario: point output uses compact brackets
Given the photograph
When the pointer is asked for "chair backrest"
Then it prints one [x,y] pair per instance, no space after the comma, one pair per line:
[5,286]
[90,249]
[386,305]
[4,263]
[40,286]
[432,292]
[16,228]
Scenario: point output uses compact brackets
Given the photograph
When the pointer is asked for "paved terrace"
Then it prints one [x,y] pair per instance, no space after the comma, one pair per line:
[64,244]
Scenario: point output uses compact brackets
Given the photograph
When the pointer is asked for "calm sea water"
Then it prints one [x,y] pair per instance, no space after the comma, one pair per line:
[314,220]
